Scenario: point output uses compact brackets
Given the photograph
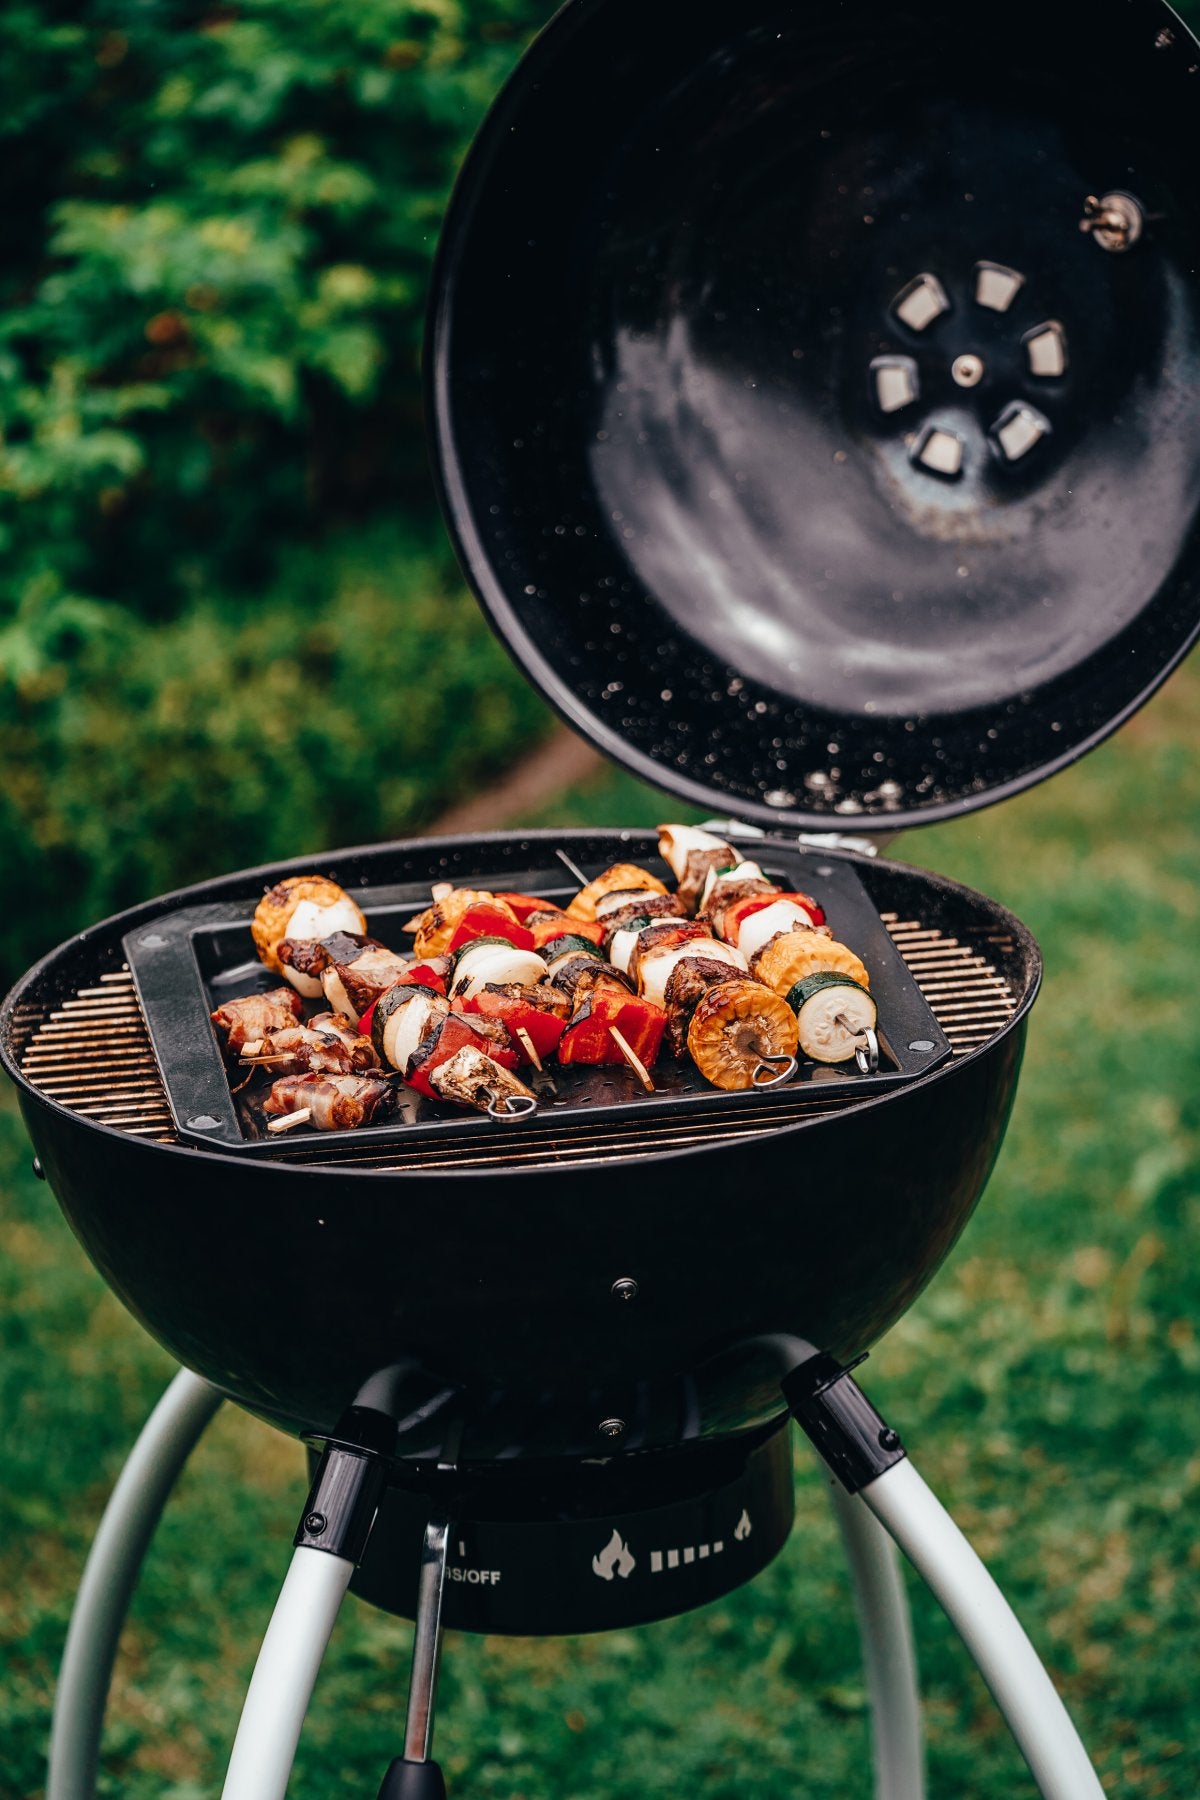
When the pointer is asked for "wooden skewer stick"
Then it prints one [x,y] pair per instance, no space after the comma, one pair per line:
[632,1058]
[290,1120]
[530,1050]
[252,1049]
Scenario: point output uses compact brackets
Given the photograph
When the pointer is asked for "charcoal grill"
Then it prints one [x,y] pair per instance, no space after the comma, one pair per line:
[811,403]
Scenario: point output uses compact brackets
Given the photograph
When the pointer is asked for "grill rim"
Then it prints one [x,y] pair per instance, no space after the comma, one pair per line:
[243,882]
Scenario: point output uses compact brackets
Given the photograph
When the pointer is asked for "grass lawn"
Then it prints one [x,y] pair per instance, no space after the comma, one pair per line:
[1046,1385]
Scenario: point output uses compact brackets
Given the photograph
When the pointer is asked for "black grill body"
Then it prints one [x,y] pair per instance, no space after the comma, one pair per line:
[474,1306]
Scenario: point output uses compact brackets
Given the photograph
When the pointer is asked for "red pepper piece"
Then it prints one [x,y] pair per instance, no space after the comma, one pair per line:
[588,1038]
[737,914]
[524,904]
[544,1029]
[563,925]
[456,1033]
[483,920]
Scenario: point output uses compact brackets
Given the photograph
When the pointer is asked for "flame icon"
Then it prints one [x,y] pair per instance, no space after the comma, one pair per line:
[615,1558]
[743,1528]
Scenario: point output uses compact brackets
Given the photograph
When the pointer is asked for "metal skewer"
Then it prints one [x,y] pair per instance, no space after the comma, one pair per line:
[866,1046]
[772,1071]
[576,871]
[508,1108]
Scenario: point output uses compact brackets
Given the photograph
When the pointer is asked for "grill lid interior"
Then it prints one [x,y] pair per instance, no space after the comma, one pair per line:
[801,446]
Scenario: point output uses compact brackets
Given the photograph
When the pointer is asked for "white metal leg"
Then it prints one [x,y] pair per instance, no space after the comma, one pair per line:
[284,1675]
[889,1659]
[110,1575]
[1036,1716]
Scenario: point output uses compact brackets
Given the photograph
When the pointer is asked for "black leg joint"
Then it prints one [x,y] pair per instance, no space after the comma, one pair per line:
[407,1780]
[829,1405]
[342,1502]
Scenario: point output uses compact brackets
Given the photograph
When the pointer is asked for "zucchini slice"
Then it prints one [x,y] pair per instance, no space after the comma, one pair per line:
[833,1015]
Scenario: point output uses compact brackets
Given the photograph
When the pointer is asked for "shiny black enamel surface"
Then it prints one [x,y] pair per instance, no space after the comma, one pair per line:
[670,265]
[476,1307]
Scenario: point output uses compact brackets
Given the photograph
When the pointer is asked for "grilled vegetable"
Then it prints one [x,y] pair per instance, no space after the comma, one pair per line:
[433,929]
[735,1028]
[588,1038]
[490,919]
[402,1020]
[552,925]
[302,906]
[621,875]
[492,960]
[788,959]
[472,1078]
[540,1012]
[718,879]
[759,924]
[833,1014]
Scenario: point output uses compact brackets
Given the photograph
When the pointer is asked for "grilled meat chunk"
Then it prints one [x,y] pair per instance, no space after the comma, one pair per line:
[333,1102]
[255,1015]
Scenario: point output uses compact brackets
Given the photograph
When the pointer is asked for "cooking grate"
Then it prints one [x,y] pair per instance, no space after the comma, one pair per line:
[93,1055]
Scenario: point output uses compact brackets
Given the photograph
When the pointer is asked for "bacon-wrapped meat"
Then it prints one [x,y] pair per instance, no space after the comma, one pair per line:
[255,1015]
[329,1045]
[327,1102]
[354,982]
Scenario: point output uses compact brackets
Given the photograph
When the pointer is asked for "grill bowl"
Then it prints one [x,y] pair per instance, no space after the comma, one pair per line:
[471,1300]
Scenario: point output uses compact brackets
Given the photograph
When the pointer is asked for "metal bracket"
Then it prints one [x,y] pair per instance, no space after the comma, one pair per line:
[857,1443]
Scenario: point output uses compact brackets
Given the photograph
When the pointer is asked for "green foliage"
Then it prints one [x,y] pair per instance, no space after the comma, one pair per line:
[218,230]
[350,703]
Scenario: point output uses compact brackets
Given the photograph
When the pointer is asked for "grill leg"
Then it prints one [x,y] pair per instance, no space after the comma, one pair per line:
[868,1458]
[885,1628]
[110,1575]
[331,1537]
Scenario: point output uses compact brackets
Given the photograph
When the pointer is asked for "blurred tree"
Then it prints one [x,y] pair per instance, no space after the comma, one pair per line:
[219,225]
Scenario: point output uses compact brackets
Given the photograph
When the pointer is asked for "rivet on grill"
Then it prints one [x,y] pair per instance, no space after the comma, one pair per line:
[38,1169]
[625,1289]
[612,1428]
[889,1439]
[921,1044]
[315,1523]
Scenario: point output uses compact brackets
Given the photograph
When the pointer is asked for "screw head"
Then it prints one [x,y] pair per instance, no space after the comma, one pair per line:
[889,1439]
[612,1428]
[315,1523]
[967,370]
[625,1289]
[38,1169]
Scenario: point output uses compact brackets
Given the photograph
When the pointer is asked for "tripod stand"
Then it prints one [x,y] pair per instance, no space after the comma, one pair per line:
[878,1497]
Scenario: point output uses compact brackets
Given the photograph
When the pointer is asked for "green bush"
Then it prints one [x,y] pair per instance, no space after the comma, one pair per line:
[218,230]
[351,704]
[219,224]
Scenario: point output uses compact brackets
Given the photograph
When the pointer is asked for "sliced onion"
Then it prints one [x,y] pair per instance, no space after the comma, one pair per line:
[308,920]
[655,968]
[769,921]
[497,964]
[408,1026]
[308,985]
[335,992]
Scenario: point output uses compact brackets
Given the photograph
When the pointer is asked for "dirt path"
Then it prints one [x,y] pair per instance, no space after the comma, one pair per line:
[560,762]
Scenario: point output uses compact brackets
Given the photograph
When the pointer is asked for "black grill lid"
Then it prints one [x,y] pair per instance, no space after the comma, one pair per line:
[804,450]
